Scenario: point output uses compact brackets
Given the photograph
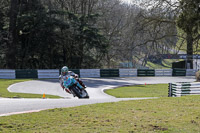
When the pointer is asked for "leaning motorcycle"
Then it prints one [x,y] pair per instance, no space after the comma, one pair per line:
[71,84]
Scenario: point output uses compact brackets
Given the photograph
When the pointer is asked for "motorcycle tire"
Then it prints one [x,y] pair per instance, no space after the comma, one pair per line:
[86,94]
[78,93]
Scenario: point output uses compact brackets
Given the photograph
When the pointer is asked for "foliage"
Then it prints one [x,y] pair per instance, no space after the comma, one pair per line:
[3,31]
[189,22]
[189,19]
[91,44]
[93,34]
[46,37]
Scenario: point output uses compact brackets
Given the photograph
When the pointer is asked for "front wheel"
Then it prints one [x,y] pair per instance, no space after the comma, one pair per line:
[84,92]
[79,93]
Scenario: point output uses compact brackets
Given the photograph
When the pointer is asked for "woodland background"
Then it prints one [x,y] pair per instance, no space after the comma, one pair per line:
[47,34]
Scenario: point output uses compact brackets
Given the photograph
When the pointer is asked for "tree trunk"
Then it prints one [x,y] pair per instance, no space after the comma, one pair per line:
[190,50]
[11,48]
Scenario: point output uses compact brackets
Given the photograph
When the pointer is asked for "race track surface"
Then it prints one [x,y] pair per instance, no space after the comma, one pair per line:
[95,87]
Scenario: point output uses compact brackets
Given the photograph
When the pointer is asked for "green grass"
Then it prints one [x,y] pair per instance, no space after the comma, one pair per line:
[156,115]
[165,114]
[4,83]
[165,64]
[159,90]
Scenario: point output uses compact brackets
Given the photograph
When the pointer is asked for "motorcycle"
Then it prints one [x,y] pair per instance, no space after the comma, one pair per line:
[72,87]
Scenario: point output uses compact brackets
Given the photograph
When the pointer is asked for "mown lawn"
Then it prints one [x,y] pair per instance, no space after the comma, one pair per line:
[159,90]
[156,115]
[164,114]
[5,83]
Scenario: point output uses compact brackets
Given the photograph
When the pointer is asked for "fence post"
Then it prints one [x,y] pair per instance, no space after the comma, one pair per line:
[170,90]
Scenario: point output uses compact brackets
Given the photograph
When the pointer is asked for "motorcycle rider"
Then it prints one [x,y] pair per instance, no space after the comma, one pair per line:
[65,73]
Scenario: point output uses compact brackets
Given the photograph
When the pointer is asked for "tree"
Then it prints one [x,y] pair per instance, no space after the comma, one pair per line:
[90,44]
[4,9]
[189,22]
[13,38]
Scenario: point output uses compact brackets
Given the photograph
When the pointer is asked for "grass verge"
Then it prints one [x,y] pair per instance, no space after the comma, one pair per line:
[158,90]
[156,115]
[4,83]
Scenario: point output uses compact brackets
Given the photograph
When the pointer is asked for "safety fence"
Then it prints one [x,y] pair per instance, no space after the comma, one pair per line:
[179,72]
[26,73]
[190,72]
[90,73]
[109,72]
[163,72]
[48,73]
[182,89]
[96,73]
[7,74]
[145,72]
[128,72]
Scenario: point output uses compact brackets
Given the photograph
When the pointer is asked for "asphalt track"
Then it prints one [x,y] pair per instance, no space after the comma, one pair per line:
[95,88]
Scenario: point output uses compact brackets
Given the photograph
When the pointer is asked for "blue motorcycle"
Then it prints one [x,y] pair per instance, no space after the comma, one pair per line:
[74,88]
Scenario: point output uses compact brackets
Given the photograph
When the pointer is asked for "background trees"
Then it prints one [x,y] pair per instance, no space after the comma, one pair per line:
[94,33]
[189,22]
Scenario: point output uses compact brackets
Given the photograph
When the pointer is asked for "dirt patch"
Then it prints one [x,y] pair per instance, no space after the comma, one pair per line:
[154,127]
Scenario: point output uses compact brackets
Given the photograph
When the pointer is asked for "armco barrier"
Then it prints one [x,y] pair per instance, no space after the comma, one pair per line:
[84,73]
[191,72]
[109,72]
[48,73]
[7,74]
[163,72]
[77,71]
[89,73]
[179,72]
[128,72]
[26,73]
[182,89]
[145,72]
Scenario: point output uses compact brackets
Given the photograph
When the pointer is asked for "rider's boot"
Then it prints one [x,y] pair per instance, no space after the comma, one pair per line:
[67,90]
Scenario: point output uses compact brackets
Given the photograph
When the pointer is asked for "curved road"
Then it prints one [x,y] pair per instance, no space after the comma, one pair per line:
[95,87]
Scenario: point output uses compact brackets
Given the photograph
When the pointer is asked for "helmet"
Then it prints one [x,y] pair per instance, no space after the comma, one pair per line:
[64,70]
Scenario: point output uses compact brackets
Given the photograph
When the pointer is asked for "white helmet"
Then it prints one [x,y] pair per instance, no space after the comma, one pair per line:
[64,69]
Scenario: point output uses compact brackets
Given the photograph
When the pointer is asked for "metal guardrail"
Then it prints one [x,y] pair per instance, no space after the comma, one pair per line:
[54,73]
[26,73]
[89,73]
[128,72]
[77,71]
[191,72]
[179,72]
[145,72]
[7,74]
[109,72]
[182,89]
[163,72]
[48,73]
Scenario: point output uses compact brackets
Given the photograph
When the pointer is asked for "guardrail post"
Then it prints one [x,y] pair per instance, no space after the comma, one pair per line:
[170,90]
